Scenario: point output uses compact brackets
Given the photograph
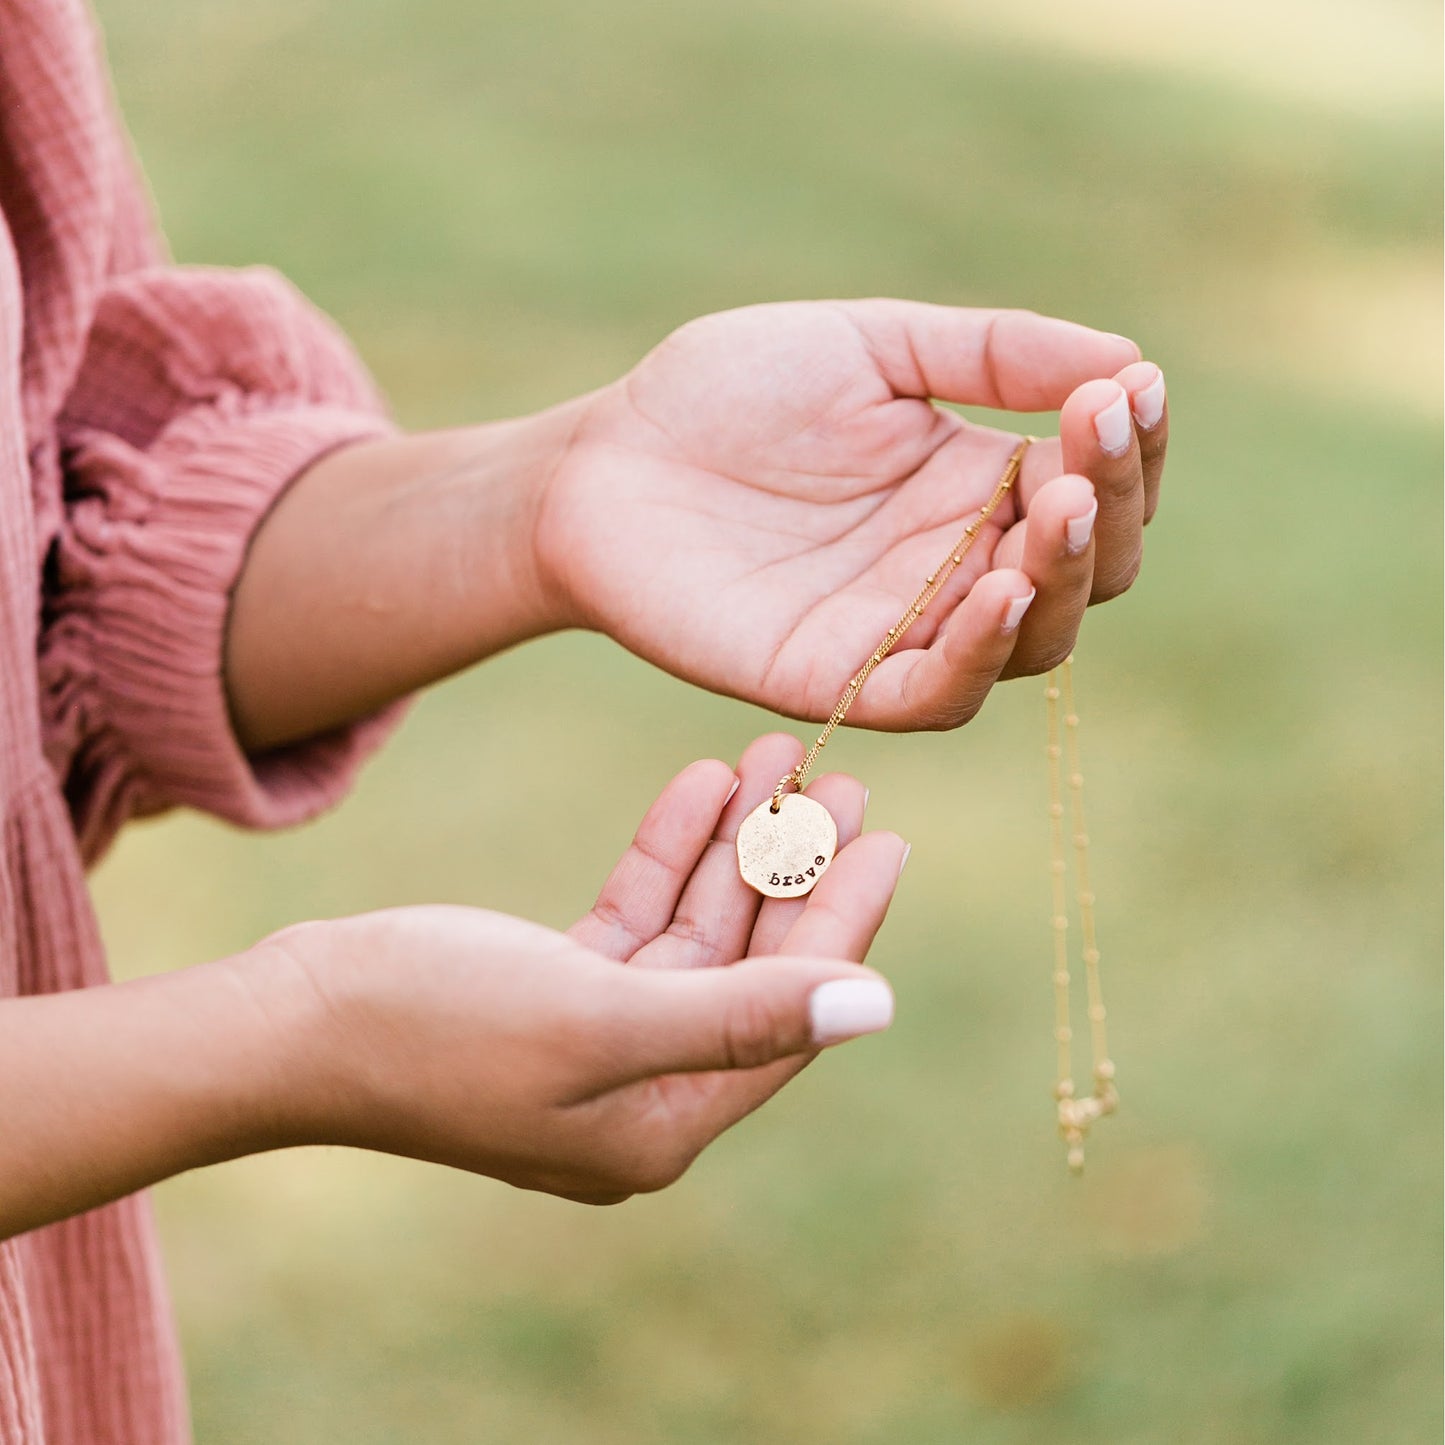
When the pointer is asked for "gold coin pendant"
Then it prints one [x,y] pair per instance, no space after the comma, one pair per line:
[783,854]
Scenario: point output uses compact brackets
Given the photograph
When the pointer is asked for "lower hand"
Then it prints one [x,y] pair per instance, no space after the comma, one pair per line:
[600,1062]
[756,503]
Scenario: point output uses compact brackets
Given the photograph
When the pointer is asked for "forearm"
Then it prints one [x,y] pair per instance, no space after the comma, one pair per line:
[387,566]
[106,1090]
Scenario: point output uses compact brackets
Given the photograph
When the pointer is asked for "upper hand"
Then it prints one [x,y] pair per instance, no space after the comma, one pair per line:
[757,502]
[599,1062]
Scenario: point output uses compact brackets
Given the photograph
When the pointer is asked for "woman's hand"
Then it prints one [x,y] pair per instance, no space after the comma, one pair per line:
[756,503]
[600,1062]
[751,508]
[590,1064]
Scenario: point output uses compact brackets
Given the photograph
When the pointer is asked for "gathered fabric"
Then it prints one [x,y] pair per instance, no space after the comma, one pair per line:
[150,415]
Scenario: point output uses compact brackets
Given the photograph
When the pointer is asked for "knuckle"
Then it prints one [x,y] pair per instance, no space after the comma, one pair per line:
[688,334]
[1049,658]
[935,710]
[613,915]
[943,714]
[1117,580]
[1120,479]
[691,931]
[752,1032]
[962,709]
[1043,658]
[955,717]
[1154,445]
[302,944]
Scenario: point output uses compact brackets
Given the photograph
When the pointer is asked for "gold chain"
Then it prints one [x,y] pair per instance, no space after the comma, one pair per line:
[1075,1115]
[930,590]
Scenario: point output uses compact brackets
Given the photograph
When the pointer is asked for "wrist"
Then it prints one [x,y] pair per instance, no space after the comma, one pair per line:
[560,579]
[343,1036]
[500,484]
[410,558]
[298,1090]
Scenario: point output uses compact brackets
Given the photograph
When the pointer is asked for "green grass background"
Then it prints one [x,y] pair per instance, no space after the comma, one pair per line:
[508,202]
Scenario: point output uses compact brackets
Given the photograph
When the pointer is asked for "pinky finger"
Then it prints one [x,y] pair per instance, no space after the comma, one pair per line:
[943,685]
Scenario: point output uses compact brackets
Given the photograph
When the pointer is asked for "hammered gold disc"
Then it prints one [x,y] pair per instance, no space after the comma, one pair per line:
[783,854]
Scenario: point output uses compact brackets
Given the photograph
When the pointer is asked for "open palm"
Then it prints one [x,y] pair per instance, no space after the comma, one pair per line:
[600,1062]
[760,498]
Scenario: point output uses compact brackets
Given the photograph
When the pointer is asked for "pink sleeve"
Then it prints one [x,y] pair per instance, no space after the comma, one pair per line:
[202,394]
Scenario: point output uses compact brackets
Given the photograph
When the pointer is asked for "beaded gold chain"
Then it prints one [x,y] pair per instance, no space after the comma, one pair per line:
[1075,1115]
[931,588]
[787,842]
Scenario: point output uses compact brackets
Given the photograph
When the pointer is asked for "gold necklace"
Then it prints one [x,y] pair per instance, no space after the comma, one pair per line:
[787,842]
[1075,1115]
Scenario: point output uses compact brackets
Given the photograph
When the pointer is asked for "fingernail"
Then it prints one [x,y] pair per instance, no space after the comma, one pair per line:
[1113,427]
[903,861]
[844,1008]
[1078,530]
[1016,610]
[1149,403]
[737,783]
[867,793]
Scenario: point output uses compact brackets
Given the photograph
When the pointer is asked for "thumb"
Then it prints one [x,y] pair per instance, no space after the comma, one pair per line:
[1011,359]
[759,1010]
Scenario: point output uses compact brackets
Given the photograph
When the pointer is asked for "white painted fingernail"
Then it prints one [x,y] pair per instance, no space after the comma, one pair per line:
[903,861]
[737,783]
[844,1008]
[1078,530]
[1016,610]
[1149,403]
[1113,426]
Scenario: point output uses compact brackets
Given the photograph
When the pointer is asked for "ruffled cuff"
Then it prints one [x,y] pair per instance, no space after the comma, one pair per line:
[131,653]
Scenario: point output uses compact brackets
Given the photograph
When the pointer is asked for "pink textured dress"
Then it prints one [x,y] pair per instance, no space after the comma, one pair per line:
[149,415]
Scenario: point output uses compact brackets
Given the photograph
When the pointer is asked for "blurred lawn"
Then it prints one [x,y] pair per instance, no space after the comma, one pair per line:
[506,203]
